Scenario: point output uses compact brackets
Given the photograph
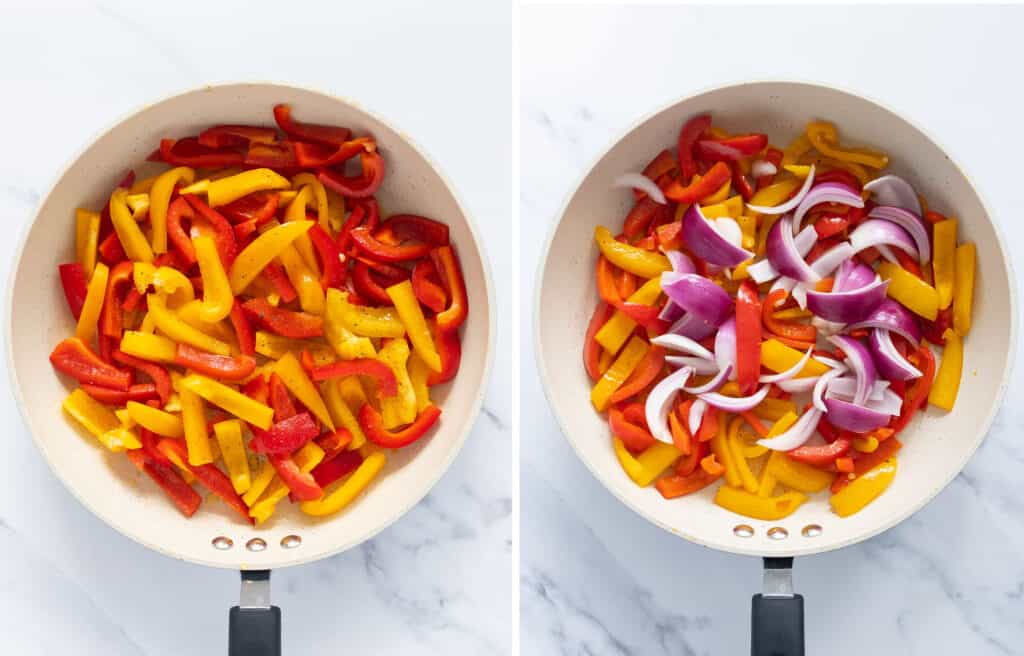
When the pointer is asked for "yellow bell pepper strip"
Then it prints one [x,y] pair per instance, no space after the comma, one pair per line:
[910,291]
[647,466]
[259,484]
[306,459]
[340,410]
[795,150]
[644,263]
[748,228]
[224,190]
[352,486]
[627,461]
[275,347]
[352,391]
[232,450]
[371,321]
[944,260]
[143,186]
[347,344]
[718,196]
[138,204]
[296,211]
[125,418]
[120,439]
[963,292]
[864,489]
[775,194]
[778,357]
[167,281]
[323,206]
[411,315]
[751,505]
[774,409]
[747,479]
[217,297]
[229,399]
[171,325]
[191,313]
[825,139]
[867,444]
[947,379]
[614,333]
[128,231]
[156,420]
[799,170]
[731,207]
[262,251]
[766,486]
[160,199]
[193,419]
[87,235]
[304,279]
[617,374]
[720,447]
[418,374]
[298,383]
[400,409]
[335,209]
[797,475]
[90,413]
[94,296]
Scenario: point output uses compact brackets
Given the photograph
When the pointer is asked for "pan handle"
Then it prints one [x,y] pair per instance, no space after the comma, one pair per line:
[777,615]
[254,626]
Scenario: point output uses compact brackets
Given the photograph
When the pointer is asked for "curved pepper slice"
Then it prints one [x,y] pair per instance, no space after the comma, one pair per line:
[173,327]
[170,481]
[864,489]
[262,251]
[447,264]
[220,136]
[295,378]
[349,490]
[316,156]
[649,464]
[731,148]
[128,231]
[644,263]
[296,211]
[347,344]
[74,358]
[825,138]
[216,366]
[797,475]
[331,470]
[223,233]
[323,206]
[449,347]
[415,324]
[301,484]
[257,208]
[682,193]
[360,186]
[369,244]
[676,485]
[209,475]
[750,505]
[224,190]
[156,373]
[285,435]
[428,292]
[618,372]
[947,379]
[325,134]
[380,372]
[296,325]
[217,297]
[189,152]
[365,280]
[398,409]
[688,136]
[159,202]
[373,426]
[178,210]
[141,392]
[333,272]
[642,376]
[243,329]
[635,437]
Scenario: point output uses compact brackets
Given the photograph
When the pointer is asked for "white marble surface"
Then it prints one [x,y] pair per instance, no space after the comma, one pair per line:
[440,580]
[597,579]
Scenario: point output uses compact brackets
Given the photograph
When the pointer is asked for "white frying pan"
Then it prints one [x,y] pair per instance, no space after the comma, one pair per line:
[936,446]
[108,484]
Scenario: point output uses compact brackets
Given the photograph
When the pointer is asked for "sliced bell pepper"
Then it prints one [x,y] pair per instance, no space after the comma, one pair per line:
[946,385]
[647,466]
[90,413]
[141,392]
[175,328]
[825,139]
[156,420]
[349,490]
[371,321]
[243,329]
[412,318]
[334,443]
[87,233]
[285,435]
[235,403]
[347,344]
[868,461]
[750,505]
[644,214]
[681,436]
[220,136]
[110,249]
[288,471]
[778,357]
[449,347]
[287,323]
[366,285]
[215,366]
[232,449]
[419,374]
[748,337]
[636,438]
[642,376]
[301,484]
[259,484]
[634,351]
[170,481]
[189,152]
[963,292]
[797,475]
[592,350]
[821,455]
[296,211]
[280,400]
[193,419]
[365,184]
[690,132]
[679,192]
[161,379]
[341,412]
[166,281]
[663,164]
[278,279]
[257,255]
[295,378]
[135,245]
[864,489]
[336,468]
[790,330]
[332,270]
[644,263]
[373,427]
[910,291]
[398,409]
[325,134]
[225,190]
[418,228]
[372,367]
[217,297]
[365,240]
[223,233]
[731,148]
[72,357]
[617,330]
[93,304]
[304,279]
[159,202]
[209,475]
[933,330]
[773,156]
[258,208]
[775,194]
[674,486]
[429,293]
[76,286]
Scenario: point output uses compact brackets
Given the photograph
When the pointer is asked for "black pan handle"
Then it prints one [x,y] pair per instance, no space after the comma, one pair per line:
[254,626]
[777,615]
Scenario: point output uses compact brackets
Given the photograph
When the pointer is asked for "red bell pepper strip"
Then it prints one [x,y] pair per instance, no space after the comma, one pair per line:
[829,226]
[325,134]
[642,376]
[591,349]
[189,152]
[663,164]
[447,264]
[681,191]
[77,360]
[824,454]
[276,276]
[837,175]
[112,314]
[180,209]
[244,230]
[156,373]
[170,481]
[360,186]
[373,426]
[211,477]
[732,148]
[285,435]
[907,262]
[688,136]
[785,329]
[279,399]
[128,180]
[110,249]
[331,470]
[371,367]
[419,228]
[354,220]
[150,441]
[72,279]
[276,156]
[636,438]
[223,234]
[740,181]
[258,207]
[748,337]
[220,367]
[257,389]
[933,330]
[302,485]
[774,156]
[334,443]
[366,286]
[366,242]
[243,329]
[640,218]
[283,322]
[917,393]
[333,272]
[140,392]
[708,424]
[221,136]
[674,486]
[450,349]
[429,293]
[317,156]
[688,464]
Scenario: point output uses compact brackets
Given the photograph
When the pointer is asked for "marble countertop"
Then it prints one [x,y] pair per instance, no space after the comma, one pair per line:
[597,579]
[439,581]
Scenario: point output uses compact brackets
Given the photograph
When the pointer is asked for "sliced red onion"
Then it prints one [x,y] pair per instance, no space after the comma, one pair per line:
[788,373]
[785,282]
[692,326]
[798,385]
[681,263]
[729,230]
[827,328]
[849,306]
[820,387]
[704,241]
[684,344]
[878,232]
[725,344]
[890,363]
[853,417]
[735,403]
[761,167]
[789,204]
[887,253]
[783,254]
[831,362]
[845,387]
[894,191]
[823,266]
[858,358]
[852,275]
[910,222]
[717,381]
[763,271]
[828,192]
[659,403]
[641,182]
[696,416]
[891,403]
[797,434]
[697,295]
[890,315]
[700,366]
[671,312]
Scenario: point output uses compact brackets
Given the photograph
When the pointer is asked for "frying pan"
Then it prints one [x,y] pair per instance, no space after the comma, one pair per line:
[937,445]
[108,484]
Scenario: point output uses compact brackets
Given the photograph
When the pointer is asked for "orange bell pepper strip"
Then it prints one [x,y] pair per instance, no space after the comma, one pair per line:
[635,437]
[680,433]
[591,349]
[748,337]
[798,331]
[674,486]
[709,424]
[642,376]
[710,465]
[682,193]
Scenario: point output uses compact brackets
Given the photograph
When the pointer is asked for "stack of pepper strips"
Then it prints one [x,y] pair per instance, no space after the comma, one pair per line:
[771,332]
[233,294]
